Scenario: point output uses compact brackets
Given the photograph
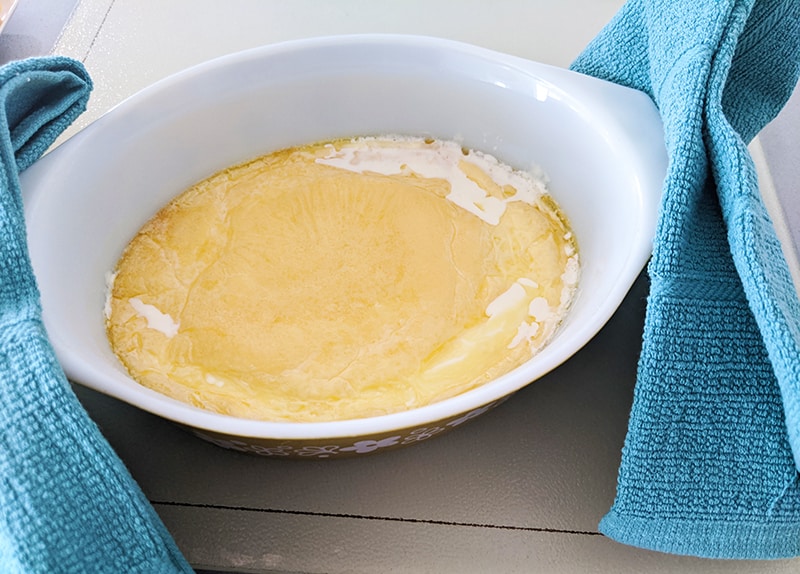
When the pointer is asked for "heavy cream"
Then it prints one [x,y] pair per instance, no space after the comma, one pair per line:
[468,172]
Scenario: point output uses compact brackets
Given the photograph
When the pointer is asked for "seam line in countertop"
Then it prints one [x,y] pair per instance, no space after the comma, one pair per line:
[377,518]
[97,32]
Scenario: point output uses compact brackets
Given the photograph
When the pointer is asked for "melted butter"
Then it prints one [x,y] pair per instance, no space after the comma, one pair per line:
[342,280]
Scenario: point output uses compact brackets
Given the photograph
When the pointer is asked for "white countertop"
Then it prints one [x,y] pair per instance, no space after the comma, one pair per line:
[520,489]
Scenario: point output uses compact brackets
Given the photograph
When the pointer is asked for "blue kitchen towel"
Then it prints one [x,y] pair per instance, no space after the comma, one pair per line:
[710,462]
[67,502]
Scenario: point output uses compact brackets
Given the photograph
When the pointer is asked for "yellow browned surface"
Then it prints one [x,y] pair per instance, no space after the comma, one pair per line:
[286,289]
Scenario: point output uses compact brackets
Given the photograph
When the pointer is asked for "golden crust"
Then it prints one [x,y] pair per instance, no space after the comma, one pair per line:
[286,289]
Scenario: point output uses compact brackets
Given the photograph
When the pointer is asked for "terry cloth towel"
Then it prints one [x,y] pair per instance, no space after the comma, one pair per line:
[67,502]
[710,462]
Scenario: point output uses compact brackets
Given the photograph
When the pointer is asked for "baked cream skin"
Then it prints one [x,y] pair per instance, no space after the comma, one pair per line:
[341,280]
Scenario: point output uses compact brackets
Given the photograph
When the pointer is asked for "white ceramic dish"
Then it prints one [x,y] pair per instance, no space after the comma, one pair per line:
[599,143]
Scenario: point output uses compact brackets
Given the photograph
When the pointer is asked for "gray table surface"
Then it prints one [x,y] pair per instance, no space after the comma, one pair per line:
[517,490]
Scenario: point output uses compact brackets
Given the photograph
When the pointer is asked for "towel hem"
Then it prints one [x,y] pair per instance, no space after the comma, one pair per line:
[710,539]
